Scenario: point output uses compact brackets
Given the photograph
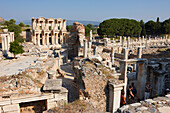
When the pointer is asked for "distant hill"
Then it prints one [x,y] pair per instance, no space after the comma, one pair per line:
[69,22]
[2,20]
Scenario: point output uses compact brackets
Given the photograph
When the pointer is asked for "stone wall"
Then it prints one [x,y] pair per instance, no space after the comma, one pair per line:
[95,82]
[75,41]
[33,102]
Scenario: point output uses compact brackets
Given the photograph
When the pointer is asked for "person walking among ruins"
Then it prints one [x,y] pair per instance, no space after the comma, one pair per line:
[130,95]
[123,100]
[147,90]
[134,91]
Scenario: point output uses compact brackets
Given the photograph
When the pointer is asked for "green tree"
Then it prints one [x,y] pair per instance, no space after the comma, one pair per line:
[166,26]
[6,23]
[87,31]
[90,26]
[15,28]
[27,25]
[158,27]
[143,32]
[112,27]
[12,21]
[12,27]
[69,27]
[150,27]
[16,48]
[21,24]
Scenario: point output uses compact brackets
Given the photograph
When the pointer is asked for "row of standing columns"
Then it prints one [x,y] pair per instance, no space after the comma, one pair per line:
[45,39]
[6,38]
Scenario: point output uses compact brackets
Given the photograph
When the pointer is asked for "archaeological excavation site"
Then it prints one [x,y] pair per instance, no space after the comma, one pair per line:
[62,70]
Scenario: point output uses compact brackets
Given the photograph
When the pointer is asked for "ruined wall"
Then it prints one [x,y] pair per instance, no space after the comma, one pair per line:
[155,105]
[75,41]
[93,79]
[159,75]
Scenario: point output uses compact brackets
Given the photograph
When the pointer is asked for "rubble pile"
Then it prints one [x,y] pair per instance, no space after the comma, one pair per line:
[156,105]
[18,85]
[96,77]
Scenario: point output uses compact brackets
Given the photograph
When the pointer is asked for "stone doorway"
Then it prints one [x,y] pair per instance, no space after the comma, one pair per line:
[41,41]
[33,107]
[50,39]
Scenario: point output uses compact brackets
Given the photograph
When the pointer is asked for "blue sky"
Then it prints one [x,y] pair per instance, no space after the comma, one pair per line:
[93,10]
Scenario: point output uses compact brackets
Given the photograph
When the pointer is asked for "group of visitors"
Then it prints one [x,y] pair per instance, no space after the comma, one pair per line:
[131,95]
[132,92]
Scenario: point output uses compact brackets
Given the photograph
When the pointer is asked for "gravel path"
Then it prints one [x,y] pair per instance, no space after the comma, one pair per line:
[10,67]
[69,84]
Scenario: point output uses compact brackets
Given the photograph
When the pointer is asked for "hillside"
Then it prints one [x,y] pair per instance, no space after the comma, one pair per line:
[2,20]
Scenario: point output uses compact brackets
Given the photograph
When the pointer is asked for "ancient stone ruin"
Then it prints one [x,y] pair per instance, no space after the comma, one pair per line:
[69,67]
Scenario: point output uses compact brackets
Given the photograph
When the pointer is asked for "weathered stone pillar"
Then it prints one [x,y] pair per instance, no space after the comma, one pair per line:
[61,38]
[2,41]
[95,50]
[105,41]
[123,69]
[5,45]
[52,38]
[139,52]
[34,39]
[124,41]
[114,96]
[43,25]
[140,43]
[141,77]
[52,26]
[85,48]
[8,42]
[128,42]
[64,25]
[120,40]
[47,25]
[90,43]
[56,38]
[112,55]
[143,40]
[126,51]
[56,26]
[91,35]
[43,39]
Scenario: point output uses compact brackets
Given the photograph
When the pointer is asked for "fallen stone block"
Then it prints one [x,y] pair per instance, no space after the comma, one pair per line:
[11,108]
[52,84]
[142,108]
[120,110]
[164,109]
[135,105]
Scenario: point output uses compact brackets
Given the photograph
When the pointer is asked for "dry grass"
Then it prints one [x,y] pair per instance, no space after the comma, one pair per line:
[78,106]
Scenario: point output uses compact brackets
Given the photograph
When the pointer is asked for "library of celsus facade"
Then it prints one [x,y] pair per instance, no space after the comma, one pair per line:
[48,31]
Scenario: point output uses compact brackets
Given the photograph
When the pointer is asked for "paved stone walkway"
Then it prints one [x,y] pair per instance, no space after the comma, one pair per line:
[10,67]
[69,84]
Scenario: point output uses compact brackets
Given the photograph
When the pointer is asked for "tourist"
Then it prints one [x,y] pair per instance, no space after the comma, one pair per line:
[147,90]
[130,95]
[134,91]
[123,100]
